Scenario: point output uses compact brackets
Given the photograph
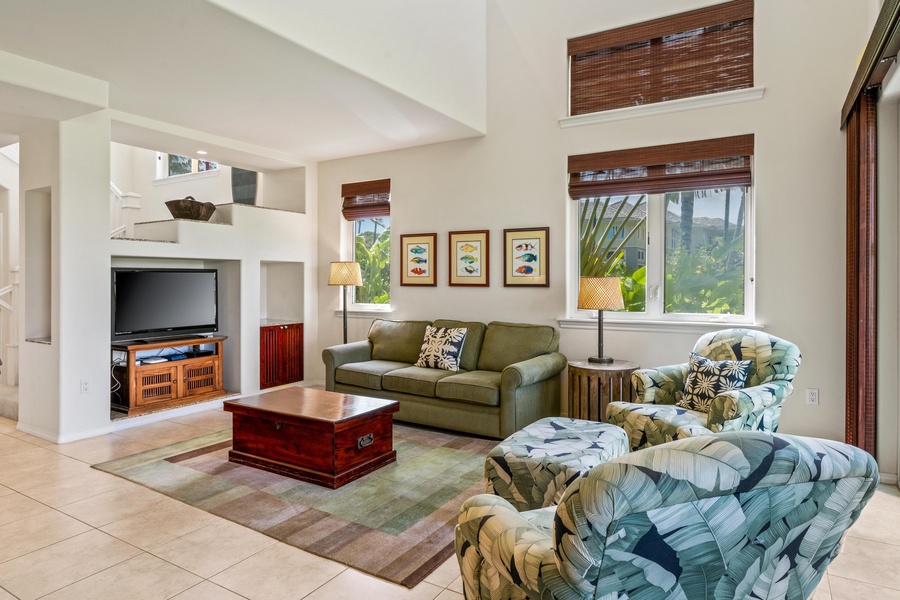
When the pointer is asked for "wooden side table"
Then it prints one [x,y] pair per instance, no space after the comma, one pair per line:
[592,386]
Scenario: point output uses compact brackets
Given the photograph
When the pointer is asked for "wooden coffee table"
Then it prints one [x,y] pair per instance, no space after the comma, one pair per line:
[323,437]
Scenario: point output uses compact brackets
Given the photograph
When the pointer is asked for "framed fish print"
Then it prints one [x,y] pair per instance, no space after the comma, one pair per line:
[469,258]
[417,255]
[526,257]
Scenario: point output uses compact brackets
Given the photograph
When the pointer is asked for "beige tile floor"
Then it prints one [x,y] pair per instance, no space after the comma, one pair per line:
[70,532]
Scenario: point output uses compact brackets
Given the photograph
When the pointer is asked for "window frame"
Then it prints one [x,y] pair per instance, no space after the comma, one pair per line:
[162,169]
[655,263]
[361,211]
[352,304]
[727,27]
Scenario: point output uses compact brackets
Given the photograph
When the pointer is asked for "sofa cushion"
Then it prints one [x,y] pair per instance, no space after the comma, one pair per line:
[441,348]
[707,379]
[508,343]
[420,381]
[366,374]
[468,360]
[476,387]
[397,340]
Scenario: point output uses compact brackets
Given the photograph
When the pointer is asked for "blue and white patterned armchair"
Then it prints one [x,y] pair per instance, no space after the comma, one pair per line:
[656,419]
[744,514]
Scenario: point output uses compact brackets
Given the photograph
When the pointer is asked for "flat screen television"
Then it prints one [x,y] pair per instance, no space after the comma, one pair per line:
[161,303]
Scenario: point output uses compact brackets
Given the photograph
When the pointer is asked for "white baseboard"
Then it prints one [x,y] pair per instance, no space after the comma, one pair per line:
[888,478]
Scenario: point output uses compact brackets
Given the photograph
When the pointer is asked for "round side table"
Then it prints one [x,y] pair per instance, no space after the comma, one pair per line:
[592,386]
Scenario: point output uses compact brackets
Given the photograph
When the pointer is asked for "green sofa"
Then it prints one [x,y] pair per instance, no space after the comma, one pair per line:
[509,375]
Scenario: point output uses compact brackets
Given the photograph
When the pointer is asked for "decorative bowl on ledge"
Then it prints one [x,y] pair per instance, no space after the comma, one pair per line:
[188,208]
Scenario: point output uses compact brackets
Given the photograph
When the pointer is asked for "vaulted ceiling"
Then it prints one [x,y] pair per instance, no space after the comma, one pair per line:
[285,81]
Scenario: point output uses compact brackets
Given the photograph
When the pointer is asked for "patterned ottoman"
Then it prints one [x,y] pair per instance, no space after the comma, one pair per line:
[532,467]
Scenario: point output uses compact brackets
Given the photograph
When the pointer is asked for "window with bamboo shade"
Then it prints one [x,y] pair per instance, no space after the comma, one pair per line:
[690,54]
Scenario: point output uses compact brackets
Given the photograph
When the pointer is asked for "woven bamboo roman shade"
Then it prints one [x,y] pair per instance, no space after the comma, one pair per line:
[366,199]
[690,54]
[704,164]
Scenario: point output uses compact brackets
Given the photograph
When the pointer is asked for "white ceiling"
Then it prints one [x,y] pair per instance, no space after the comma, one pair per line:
[194,66]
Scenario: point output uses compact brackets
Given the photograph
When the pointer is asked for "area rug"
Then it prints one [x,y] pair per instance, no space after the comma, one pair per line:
[395,523]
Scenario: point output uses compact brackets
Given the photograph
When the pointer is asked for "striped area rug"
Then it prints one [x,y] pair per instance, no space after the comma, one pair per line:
[395,523]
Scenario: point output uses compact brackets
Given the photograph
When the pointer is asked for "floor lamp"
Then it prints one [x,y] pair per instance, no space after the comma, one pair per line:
[344,273]
[600,293]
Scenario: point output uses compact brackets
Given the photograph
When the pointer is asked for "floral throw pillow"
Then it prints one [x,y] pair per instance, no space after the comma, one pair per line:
[442,347]
[708,378]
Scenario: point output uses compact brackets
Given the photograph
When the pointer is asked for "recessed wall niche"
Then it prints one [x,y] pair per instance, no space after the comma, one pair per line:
[37,264]
[281,291]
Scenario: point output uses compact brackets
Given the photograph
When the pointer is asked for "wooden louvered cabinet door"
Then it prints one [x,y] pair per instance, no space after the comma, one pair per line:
[281,354]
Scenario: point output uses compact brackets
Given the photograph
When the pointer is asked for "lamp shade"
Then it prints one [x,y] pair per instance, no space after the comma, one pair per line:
[600,293]
[345,272]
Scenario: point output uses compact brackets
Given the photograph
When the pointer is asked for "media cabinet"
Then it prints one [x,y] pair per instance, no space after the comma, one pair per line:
[151,387]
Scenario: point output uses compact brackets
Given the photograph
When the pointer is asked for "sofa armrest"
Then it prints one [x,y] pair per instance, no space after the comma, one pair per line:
[335,356]
[757,407]
[663,385]
[532,370]
[491,531]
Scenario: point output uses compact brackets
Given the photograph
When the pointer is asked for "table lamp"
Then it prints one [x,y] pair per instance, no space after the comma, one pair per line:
[600,293]
[344,273]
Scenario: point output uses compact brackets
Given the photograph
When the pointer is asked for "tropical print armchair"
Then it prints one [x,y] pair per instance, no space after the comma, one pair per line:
[734,515]
[656,417]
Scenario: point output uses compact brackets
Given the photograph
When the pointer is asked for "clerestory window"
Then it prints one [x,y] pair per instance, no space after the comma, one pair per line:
[700,52]
[175,165]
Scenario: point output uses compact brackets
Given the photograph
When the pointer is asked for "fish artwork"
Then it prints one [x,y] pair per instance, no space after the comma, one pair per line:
[524,247]
[525,270]
[468,248]
[470,270]
[418,260]
[468,259]
[417,271]
[528,257]
[418,250]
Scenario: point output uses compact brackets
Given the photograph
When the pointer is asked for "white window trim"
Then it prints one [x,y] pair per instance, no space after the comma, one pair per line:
[664,108]
[610,323]
[186,177]
[655,259]
[354,309]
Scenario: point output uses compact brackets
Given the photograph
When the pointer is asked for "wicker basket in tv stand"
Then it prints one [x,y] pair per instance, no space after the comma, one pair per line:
[151,387]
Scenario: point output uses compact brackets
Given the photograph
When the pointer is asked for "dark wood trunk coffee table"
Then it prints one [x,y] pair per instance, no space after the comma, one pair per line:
[323,437]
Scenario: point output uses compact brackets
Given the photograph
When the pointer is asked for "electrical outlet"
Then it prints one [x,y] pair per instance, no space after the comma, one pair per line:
[812,396]
[85,386]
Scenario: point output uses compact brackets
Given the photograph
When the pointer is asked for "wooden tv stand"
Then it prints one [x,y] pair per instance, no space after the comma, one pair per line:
[151,387]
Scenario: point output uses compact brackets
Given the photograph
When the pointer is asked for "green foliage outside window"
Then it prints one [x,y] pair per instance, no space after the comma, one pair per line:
[708,277]
[182,165]
[179,165]
[606,228]
[373,253]
[704,256]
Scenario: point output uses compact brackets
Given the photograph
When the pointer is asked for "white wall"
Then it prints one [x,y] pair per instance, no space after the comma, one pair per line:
[133,169]
[65,168]
[139,177]
[429,50]
[9,264]
[516,177]
[888,261]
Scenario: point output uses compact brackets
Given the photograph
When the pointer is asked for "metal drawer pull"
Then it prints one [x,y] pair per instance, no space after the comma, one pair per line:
[365,440]
[278,425]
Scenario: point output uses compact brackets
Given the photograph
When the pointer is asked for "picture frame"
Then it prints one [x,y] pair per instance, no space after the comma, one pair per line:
[526,257]
[469,253]
[418,262]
